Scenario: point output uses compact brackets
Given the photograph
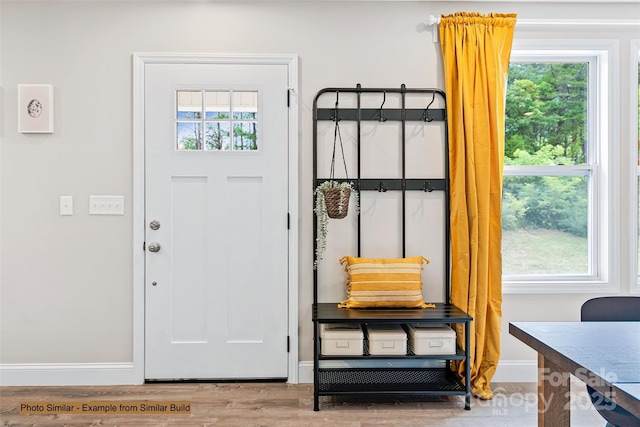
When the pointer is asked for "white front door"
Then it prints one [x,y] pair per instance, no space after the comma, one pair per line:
[216,221]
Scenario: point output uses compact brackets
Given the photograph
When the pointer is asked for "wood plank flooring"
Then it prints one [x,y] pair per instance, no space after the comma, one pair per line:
[286,405]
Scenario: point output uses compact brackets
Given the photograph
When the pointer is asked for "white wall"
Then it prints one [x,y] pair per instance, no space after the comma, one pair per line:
[66,282]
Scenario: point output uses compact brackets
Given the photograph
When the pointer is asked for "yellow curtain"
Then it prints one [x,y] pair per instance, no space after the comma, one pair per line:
[476,50]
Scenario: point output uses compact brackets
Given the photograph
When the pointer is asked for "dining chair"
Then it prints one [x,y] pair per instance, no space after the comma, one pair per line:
[611,309]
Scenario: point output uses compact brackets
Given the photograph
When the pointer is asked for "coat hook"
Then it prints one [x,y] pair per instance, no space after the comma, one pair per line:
[336,118]
[426,187]
[426,116]
[382,188]
[381,116]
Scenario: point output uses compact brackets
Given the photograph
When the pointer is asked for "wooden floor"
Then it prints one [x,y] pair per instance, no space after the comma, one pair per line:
[280,404]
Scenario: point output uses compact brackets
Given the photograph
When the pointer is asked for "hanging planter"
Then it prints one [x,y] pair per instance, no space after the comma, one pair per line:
[332,201]
[336,199]
[332,198]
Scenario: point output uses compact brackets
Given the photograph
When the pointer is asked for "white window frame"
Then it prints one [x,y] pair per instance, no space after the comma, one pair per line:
[203,120]
[602,56]
[634,168]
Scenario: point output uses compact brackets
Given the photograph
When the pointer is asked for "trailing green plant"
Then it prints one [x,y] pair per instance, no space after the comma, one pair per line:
[322,214]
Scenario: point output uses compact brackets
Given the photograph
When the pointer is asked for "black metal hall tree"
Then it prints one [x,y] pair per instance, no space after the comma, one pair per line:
[433,375]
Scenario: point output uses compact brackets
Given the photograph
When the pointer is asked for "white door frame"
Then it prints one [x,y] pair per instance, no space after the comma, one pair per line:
[139,62]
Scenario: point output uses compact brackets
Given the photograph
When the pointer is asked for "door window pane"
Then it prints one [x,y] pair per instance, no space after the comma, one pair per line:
[189,135]
[217,136]
[245,105]
[218,106]
[189,105]
[245,136]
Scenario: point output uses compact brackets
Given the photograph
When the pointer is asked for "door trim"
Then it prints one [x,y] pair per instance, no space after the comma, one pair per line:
[138,203]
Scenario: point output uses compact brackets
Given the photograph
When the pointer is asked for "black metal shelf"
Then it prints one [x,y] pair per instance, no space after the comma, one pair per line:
[440,381]
[442,313]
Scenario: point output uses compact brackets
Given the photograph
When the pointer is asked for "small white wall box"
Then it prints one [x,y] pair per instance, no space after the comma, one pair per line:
[432,339]
[339,339]
[387,339]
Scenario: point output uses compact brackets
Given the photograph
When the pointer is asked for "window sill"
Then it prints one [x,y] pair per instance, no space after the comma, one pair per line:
[559,287]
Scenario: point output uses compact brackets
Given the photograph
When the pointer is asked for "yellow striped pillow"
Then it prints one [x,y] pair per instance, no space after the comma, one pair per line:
[384,283]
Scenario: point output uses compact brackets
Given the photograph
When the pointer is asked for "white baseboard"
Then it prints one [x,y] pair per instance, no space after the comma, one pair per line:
[305,372]
[61,374]
[516,371]
[508,371]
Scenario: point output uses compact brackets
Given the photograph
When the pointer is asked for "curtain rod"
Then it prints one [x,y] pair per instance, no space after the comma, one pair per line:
[434,21]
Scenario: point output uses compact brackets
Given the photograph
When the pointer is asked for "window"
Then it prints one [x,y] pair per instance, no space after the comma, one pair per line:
[216,120]
[555,193]
[635,134]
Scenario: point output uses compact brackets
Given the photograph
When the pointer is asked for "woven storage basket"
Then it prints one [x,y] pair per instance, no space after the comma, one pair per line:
[337,202]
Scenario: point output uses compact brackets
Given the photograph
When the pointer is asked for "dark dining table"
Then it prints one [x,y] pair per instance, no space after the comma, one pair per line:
[604,355]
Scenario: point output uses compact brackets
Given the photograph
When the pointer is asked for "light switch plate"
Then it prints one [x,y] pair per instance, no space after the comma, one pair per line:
[66,205]
[106,205]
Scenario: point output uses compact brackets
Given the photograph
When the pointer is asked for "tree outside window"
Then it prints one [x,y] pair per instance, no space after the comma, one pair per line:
[548,171]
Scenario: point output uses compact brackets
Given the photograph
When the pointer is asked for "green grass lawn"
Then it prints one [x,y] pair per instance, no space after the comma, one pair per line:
[539,251]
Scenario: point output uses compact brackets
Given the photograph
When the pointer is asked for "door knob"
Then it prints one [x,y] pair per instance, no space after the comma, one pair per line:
[154,247]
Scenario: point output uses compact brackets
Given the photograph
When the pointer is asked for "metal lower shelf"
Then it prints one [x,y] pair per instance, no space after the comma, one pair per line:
[432,381]
[379,375]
